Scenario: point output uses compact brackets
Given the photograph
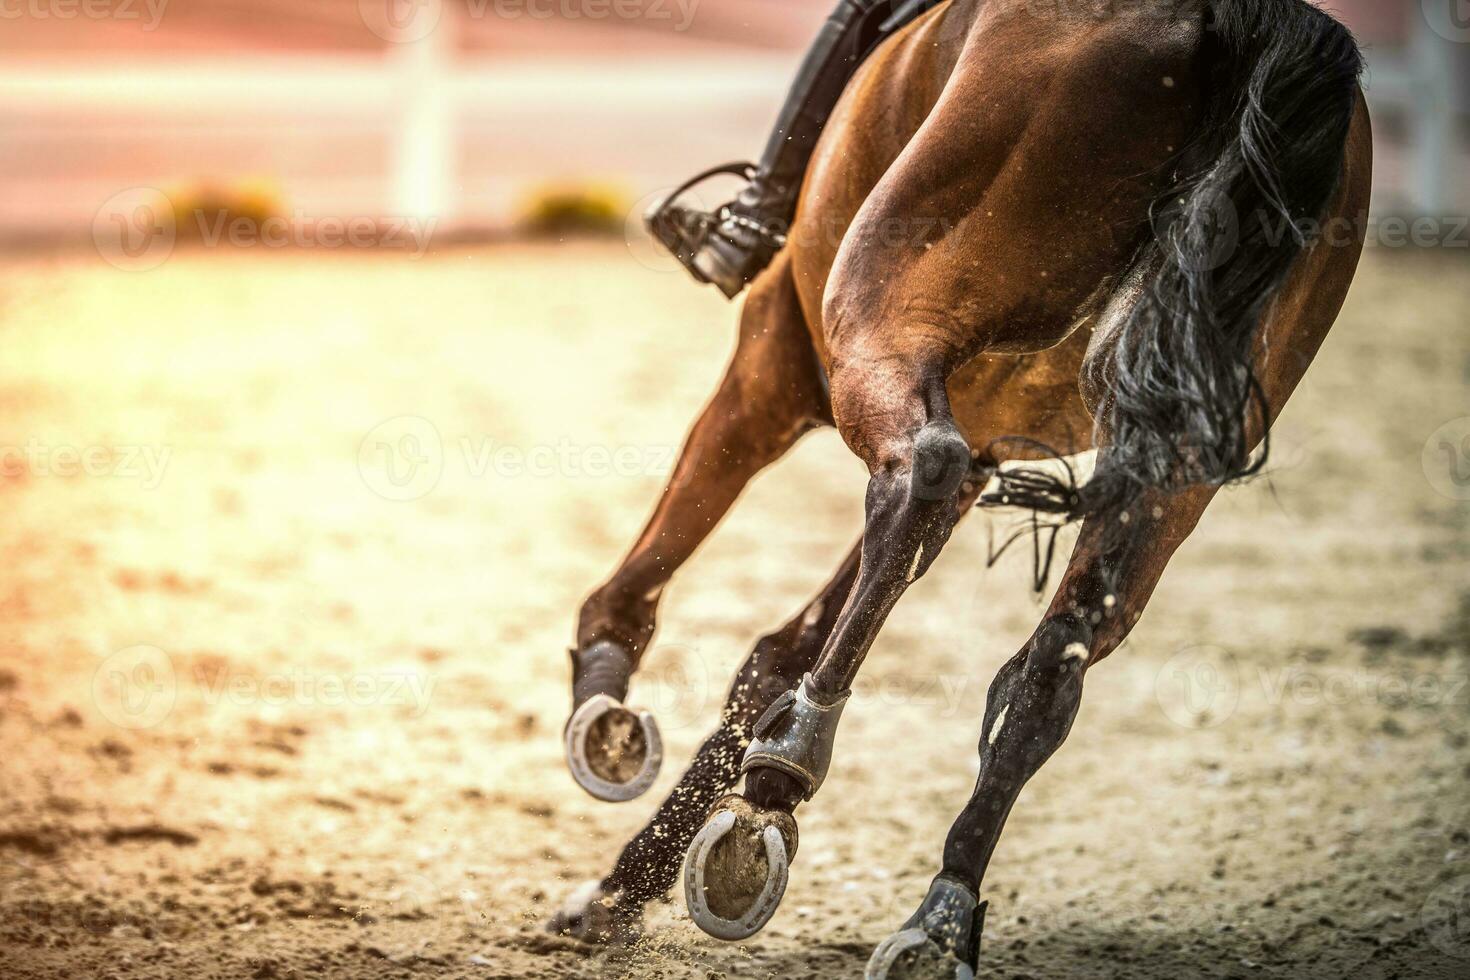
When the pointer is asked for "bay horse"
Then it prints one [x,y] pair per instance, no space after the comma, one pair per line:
[1029,224]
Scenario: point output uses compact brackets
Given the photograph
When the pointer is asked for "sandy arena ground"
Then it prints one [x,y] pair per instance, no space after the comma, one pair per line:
[259,718]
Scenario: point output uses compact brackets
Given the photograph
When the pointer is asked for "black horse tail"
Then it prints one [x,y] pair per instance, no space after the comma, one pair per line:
[1180,382]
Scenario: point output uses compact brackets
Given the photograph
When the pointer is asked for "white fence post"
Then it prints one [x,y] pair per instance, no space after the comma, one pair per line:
[1432,127]
[424,148]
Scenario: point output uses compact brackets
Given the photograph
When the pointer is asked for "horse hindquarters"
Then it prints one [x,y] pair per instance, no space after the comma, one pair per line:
[1018,201]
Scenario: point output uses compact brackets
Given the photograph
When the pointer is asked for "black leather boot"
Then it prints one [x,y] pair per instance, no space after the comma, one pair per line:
[731,246]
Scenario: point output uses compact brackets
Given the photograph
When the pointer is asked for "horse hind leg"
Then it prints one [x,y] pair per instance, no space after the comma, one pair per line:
[1029,712]
[736,870]
[771,394]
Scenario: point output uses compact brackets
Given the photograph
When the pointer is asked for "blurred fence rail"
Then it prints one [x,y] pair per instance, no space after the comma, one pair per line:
[366,136]
[424,131]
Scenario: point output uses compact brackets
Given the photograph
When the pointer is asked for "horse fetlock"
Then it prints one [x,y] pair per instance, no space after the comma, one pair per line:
[795,736]
[603,667]
[738,867]
[941,461]
[940,940]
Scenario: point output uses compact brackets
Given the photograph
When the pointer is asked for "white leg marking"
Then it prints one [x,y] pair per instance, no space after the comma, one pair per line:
[918,557]
[1000,720]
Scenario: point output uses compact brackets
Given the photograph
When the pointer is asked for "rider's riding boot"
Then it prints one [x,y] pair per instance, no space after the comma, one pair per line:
[731,246]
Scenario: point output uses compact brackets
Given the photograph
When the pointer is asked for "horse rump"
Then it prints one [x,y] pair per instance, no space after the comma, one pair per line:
[1179,378]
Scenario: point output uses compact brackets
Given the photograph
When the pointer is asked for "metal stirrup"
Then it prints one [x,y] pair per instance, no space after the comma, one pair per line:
[746,170]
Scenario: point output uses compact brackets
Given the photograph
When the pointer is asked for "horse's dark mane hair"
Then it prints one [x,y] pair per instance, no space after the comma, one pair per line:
[1181,387]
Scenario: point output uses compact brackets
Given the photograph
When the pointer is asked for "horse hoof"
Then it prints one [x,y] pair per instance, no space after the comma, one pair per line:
[947,926]
[590,915]
[737,869]
[613,753]
[913,955]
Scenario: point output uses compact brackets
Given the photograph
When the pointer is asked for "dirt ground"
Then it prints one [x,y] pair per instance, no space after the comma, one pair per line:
[293,546]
